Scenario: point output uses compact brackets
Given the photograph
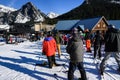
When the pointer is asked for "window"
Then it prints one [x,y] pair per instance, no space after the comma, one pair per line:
[98,25]
[104,25]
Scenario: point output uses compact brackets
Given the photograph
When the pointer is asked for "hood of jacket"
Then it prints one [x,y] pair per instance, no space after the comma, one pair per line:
[48,38]
[76,37]
[113,30]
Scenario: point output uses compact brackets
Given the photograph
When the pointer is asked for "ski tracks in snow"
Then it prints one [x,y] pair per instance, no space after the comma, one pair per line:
[93,65]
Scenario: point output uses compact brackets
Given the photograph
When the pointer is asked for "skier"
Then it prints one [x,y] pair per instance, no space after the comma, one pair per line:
[97,44]
[49,49]
[75,50]
[88,40]
[58,41]
[112,46]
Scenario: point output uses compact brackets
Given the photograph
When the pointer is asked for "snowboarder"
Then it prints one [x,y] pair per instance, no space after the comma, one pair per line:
[75,50]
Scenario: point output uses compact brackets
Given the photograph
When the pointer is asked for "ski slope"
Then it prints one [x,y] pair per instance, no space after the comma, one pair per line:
[17,62]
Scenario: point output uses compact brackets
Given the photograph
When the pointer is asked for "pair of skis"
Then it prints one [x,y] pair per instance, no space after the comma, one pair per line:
[56,77]
[118,71]
[112,76]
[97,67]
[102,77]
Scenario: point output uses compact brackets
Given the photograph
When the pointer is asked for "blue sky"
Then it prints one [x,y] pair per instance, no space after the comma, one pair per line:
[46,6]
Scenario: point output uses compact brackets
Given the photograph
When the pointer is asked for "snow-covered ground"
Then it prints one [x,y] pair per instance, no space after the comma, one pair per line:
[17,62]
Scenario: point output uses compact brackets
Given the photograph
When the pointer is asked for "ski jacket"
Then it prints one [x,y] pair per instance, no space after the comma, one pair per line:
[112,40]
[49,46]
[75,49]
[98,38]
[57,38]
[87,35]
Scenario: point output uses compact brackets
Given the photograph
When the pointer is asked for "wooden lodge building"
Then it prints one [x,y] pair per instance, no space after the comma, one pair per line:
[24,28]
[93,24]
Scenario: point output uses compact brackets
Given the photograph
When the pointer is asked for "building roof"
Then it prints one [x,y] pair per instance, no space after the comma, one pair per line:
[65,24]
[89,23]
[116,23]
[83,24]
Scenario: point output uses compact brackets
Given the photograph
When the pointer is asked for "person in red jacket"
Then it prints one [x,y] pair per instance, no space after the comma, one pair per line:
[49,49]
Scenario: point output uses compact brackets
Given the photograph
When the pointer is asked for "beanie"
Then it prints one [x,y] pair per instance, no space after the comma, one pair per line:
[75,30]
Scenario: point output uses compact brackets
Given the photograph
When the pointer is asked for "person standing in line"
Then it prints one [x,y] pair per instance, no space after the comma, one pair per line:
[58,41]
[88,40]
[112,46]
[75,50]
[97,44]
[65,39]
[49,49]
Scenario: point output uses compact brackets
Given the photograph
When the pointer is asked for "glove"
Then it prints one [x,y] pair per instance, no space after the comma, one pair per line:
[43,53]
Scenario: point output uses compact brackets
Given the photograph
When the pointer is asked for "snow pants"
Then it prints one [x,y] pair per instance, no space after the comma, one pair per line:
[72,68]
[59,50]
[97,51]
[107,56]
[51,61]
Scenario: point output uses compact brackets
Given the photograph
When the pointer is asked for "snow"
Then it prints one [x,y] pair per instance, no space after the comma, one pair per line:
[4,27]
[39,18]
[23,19]
[52,15]
[115,1]
[17,62]
[6,9]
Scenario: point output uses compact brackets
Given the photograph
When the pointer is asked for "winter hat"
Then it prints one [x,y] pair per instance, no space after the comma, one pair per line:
[49,33]
[74,30]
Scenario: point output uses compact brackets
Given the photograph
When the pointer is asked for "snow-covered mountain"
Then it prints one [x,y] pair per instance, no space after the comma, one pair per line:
[52,15]
[115,1]
[6,9]
[26,13]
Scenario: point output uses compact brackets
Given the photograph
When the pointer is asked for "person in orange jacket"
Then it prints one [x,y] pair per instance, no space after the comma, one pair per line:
[88,40]
[49,49]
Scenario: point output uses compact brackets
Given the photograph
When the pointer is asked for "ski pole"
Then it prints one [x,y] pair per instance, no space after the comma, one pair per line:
[55,75]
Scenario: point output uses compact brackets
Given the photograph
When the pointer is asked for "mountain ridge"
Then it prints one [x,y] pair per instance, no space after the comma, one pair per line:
[6,9]
[94,8]
[26,13]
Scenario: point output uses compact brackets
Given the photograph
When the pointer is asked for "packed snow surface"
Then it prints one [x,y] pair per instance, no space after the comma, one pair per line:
[17,62]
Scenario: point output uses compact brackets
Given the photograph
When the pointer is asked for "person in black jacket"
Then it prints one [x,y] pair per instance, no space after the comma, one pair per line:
[112,46]
[75,50]
[97,44]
